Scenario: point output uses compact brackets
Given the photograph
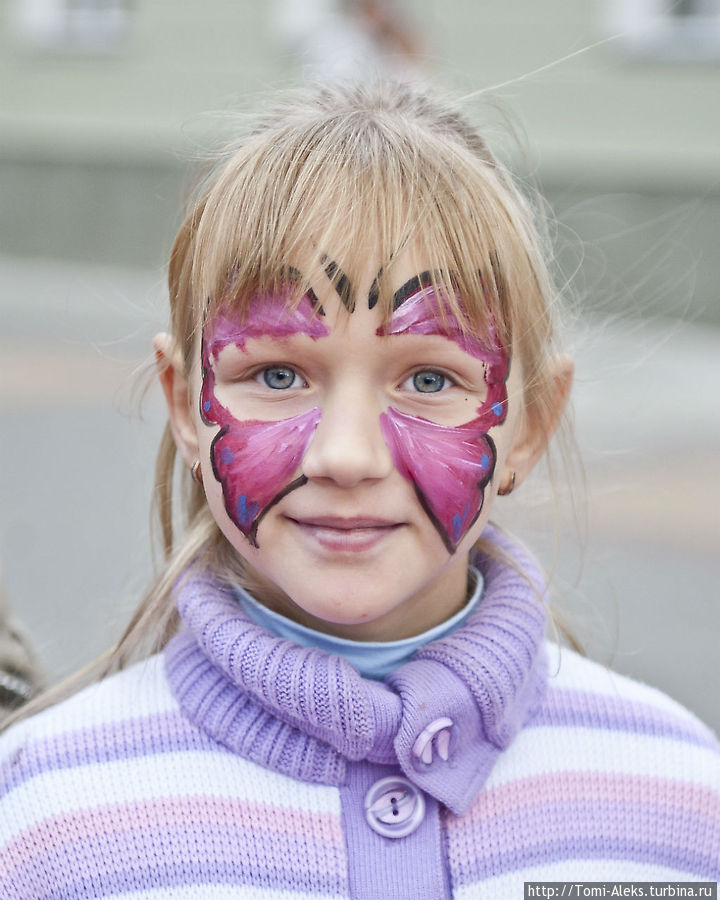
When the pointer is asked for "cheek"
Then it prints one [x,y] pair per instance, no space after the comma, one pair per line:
[449,468]
[254,462]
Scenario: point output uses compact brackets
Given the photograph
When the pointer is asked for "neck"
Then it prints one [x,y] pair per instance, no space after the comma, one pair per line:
[373,659]
[411,618]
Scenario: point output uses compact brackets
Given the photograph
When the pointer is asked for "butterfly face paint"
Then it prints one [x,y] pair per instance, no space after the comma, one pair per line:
[255,461]
[448,466]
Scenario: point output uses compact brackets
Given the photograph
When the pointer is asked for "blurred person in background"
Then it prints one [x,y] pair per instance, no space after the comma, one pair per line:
[350,39]
[21,675]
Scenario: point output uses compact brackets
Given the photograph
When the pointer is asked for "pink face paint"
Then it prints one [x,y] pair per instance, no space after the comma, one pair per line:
[255,461]
[449,466]
[425,312]
[268,316]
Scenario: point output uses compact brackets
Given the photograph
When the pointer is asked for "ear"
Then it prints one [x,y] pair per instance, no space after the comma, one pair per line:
[171,373]
[533,435]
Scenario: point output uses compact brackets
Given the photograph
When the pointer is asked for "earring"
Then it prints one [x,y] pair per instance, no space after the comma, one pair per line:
[196,472]
[505,491]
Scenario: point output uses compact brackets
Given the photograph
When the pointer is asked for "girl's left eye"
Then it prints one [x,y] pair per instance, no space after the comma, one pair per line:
[427,381]
[280,378]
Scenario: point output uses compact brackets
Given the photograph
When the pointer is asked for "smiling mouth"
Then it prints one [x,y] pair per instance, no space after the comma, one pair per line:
[346,534]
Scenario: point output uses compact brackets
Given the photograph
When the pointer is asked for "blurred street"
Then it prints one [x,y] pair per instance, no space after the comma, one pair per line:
[79,434]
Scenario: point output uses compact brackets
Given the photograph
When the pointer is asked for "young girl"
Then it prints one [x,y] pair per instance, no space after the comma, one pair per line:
[350,692]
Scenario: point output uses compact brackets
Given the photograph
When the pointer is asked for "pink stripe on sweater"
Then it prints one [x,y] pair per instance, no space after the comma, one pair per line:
[587,786]
[167,812]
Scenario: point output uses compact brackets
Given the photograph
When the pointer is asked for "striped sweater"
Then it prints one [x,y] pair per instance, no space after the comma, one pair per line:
[239,765]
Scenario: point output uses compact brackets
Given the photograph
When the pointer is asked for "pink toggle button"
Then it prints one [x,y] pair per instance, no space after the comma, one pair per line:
[394,807]
[437,733]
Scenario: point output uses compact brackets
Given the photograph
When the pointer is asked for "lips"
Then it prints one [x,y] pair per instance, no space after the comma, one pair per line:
[345,524]
[346,534]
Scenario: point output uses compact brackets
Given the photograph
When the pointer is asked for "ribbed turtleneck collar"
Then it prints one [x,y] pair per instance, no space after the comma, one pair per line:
[306,713]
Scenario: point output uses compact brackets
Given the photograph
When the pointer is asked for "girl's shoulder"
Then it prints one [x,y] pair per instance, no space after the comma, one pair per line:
[96,723]
[614,722]
[595,689]
[142,686]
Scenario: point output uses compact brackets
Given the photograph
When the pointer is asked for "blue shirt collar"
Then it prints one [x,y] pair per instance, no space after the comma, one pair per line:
[372,659]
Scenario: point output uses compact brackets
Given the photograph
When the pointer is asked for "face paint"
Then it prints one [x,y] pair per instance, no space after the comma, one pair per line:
[255,461]
[449,466]
[419,309]
[268,316]
[341,282]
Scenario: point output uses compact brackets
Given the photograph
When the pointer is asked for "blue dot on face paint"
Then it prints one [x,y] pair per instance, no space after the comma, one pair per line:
[457,523]
[227,456]
[456,526]
[206,406]
[497,409]
[484,461]
[246,511]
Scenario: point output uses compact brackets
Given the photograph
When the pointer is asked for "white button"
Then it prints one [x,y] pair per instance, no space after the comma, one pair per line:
[437,733]
[394,807]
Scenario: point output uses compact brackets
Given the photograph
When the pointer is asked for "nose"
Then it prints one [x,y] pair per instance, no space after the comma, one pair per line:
[348,446]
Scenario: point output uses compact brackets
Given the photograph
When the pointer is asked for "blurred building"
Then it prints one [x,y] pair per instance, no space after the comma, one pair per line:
[104,103]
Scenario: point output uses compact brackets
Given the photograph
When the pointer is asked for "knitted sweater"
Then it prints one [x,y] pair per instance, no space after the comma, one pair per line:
[240,765]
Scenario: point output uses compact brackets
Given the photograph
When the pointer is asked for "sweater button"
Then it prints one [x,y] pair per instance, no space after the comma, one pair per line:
[394,807]
[436,734]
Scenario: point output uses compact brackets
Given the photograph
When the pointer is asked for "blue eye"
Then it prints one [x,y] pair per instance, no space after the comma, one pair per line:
[280,378]
[428,382]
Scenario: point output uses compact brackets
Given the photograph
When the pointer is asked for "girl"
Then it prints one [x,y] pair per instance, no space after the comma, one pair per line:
[349,693]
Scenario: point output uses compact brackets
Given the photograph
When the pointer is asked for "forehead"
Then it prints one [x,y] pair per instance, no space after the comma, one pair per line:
[337,281]
[422,305]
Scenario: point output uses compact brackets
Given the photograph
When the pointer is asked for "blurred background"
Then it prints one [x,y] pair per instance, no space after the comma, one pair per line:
[610,107]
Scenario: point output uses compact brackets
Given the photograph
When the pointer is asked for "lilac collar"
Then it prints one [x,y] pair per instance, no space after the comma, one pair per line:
[305,713]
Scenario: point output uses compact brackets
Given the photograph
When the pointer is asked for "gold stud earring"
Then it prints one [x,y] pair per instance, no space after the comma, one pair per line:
[504,491]
[196,472]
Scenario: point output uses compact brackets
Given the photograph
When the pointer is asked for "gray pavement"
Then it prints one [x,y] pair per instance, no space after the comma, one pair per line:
[639,582]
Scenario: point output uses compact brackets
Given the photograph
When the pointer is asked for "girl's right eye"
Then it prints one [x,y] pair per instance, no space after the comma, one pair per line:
[280,378]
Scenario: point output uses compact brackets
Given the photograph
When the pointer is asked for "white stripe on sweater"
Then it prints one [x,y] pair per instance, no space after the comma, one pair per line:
[549,749]
[569,670]
[165,775]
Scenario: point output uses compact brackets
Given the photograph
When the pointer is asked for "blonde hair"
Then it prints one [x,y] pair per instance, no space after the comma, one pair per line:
[343,169]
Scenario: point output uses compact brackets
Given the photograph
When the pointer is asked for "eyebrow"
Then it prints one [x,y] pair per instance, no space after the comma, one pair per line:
[271,318]
[410,288]
[418,308]
[415,284]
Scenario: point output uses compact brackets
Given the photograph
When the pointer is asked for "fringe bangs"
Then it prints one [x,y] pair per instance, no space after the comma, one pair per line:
[352,191]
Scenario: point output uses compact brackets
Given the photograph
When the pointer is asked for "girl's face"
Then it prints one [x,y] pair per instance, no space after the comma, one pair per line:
[353,466]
